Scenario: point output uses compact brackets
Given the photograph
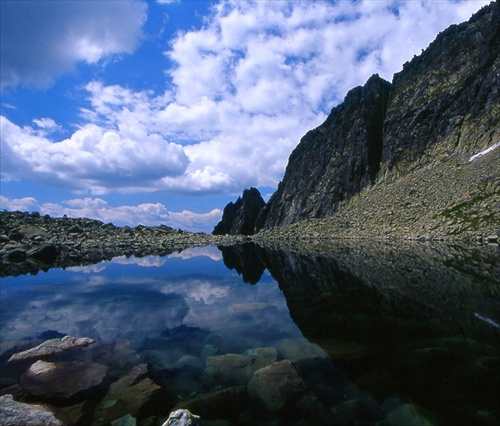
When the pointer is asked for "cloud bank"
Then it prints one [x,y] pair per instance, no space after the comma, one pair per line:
[96,208]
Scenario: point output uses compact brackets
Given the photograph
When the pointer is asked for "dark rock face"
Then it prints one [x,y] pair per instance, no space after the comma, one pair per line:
[443,107]
[446,100]
[240,217]
[334,161]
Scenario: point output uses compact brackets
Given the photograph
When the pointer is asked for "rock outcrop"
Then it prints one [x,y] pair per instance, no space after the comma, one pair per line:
[334,161]
[240,217]
[418,133]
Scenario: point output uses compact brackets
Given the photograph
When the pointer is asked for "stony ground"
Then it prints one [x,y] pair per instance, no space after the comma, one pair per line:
[456,199]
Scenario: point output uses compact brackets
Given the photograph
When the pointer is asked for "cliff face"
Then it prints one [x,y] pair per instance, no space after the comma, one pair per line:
[440,110]
[335,160]
[446,101]
[240,217]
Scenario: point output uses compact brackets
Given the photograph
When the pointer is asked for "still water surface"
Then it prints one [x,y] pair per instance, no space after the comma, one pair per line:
[247,335]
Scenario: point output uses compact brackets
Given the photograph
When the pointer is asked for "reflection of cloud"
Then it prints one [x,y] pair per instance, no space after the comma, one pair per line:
[146,261]
[210,252]
[135,303]
[89,269]
[105,311]
[207,292]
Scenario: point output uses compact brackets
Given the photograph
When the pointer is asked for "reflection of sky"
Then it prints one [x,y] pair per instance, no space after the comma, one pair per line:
[124,299]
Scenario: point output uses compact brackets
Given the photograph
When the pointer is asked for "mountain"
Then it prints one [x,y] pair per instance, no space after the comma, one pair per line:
[240,217]
[414,157]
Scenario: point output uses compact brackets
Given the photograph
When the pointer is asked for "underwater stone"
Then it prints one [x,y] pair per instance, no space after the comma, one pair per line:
[62,379]
[276,385]
[182,418]
[13,413]
[51,347]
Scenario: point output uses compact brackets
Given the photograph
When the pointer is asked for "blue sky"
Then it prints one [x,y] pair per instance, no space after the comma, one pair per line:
[148,112]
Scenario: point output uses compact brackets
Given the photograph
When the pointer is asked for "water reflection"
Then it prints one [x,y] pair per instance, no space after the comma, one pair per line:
[337,335]
[415,321]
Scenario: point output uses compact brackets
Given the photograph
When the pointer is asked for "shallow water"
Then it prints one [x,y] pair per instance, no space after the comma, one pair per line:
[349,334]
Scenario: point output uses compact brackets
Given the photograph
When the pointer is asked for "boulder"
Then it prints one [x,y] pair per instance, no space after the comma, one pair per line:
[51,347]
[235,369]
[182,418]
[62,379]
[276,385]
[126,420]
[13,413]
[127,395]
[297,349]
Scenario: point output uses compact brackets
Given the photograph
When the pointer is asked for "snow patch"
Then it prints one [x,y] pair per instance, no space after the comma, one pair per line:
[486,151]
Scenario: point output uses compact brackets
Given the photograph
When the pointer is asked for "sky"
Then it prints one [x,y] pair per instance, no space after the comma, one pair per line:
[161,112]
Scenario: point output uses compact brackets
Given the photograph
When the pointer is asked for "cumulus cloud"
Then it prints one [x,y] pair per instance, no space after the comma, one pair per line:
[21,204]
[94,158]
[43,39]
[149,214]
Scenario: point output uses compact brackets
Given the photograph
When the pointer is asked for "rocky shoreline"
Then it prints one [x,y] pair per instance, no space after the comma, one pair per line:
[30,242]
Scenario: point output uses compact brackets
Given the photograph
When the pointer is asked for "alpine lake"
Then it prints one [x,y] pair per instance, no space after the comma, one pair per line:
[344,333]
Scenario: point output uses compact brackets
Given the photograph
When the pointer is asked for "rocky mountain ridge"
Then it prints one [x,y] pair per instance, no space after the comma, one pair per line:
[413,158]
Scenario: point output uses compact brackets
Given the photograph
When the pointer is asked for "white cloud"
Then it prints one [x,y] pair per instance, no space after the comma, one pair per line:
[43,39]
[146,261]
[21,204]
[93,159]
[211,252]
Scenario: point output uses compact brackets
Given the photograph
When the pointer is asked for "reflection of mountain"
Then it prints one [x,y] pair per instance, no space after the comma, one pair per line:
[417,320]
[245,260]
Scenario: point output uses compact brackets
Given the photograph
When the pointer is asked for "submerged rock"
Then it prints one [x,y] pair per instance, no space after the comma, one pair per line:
[13,413]
[127,395]
[297,349]
[276,385]
[182,418]
[226,403]
[127,420]
[235,369]
[62,379]
[51,347]
[408,414]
